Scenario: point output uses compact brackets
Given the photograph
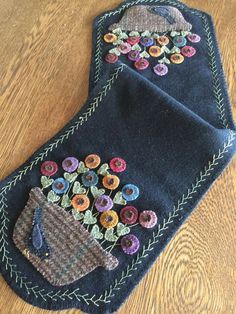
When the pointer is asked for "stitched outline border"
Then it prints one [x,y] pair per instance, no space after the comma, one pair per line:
[104,298]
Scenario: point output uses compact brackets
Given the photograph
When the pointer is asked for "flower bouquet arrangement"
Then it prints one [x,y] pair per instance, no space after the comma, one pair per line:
[164,48]
[91,192]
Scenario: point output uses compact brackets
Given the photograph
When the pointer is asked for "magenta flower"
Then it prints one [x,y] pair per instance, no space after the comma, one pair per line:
[148,219]
[117,164]
[124,48]
[194,38]
[188,51]
[49,168]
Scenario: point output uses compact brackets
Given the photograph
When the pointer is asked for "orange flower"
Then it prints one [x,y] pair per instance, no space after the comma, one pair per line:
[111,182]
[163,40]
[110,38]
[109,219]
[92,161]
[80,202]
[177,58]
[155,51]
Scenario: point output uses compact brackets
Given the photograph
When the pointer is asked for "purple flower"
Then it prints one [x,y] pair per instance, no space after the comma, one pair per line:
[134,55]
[103,203]
[160,69]
[146,41]
[70,164]
[130,244]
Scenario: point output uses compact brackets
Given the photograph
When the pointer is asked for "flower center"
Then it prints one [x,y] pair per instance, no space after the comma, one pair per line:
[80,201]
[60,186]
[147,218]
[103,202]
[128,214]
[129,191]
[128,243]
[110,181]
[49,167]
[118,163]
[90,160]
[68,163]
[89,177]
[109,219]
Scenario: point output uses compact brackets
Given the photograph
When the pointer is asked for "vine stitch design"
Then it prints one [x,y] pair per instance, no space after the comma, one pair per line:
[203,175]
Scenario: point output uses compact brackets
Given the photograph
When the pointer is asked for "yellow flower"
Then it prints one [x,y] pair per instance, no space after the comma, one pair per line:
[109,219]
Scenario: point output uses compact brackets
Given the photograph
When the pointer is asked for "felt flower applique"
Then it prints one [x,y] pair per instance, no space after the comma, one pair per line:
[94,194]
[146,48]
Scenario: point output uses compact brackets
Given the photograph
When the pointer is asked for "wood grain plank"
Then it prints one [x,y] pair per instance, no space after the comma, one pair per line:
[44,65]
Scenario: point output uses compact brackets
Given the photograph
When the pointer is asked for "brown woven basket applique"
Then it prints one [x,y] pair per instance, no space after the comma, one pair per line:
[71,251]
[153,18]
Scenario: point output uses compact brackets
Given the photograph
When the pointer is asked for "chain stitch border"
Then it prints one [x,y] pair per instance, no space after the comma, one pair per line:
[104,298]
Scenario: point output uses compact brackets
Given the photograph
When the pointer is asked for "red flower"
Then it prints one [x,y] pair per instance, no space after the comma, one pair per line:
[49,168]
[129,215]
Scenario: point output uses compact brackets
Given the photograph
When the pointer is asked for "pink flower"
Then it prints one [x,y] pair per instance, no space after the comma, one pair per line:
[117,164]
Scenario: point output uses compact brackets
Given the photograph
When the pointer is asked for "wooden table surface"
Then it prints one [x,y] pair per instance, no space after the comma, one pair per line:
[44,65]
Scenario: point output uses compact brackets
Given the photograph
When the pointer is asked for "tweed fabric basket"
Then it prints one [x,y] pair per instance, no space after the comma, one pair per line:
[142,17]
[74,252]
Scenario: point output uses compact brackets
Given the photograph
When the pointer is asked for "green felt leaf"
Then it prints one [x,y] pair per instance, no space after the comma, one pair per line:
[174,33]
[52,197]
[146,34]
[88,218]
[77,215]
[144,54]
[123,36]
[70,177]
[118,199]
[110,236]
[82,168]
[133,33]
[184,33]
[122,229]
[117,31]
[96,233]
[117,42]
[166,49]
[164,60]
[175,50]
[103,170]
[46,182]
[136,47]
[115,51]
[96,192]
[156,36]
[65,201]
[78,189]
